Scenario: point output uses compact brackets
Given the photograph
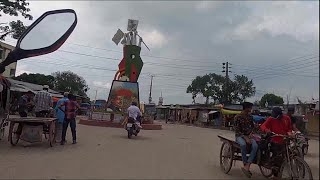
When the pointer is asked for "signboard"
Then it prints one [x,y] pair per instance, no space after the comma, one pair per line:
[132,25]
[122,94]
[118,36]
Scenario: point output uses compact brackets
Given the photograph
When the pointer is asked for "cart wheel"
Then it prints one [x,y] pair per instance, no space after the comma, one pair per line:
[52,138]
[14,137]
[226,157]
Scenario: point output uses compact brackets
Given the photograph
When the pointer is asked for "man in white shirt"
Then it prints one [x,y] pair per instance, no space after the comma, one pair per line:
[133,113]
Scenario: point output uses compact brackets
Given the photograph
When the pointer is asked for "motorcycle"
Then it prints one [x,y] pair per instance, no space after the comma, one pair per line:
[132,128]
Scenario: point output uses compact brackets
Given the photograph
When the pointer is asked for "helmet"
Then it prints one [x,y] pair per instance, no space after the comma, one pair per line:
[134,103]
[276,112]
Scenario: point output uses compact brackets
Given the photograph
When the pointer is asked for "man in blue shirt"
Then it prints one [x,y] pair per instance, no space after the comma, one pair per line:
[60,116]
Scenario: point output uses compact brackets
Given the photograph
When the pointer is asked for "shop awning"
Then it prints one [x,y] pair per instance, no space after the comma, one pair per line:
[229,112]
[212,112]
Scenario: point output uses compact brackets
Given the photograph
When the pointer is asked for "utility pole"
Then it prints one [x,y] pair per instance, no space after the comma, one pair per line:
[92,106]
[150,98]
[226,67]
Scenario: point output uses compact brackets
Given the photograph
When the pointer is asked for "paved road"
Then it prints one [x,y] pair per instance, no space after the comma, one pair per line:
[176,152]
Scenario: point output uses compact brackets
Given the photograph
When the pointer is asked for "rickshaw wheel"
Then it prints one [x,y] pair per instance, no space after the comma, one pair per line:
[266,172]
[52,134]
[226,157]
[14,136]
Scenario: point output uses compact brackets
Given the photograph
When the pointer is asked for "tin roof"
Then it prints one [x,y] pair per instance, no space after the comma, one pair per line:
[21,86]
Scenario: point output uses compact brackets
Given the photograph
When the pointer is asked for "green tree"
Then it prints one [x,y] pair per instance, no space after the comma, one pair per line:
[200,85]
[217,86]
[272,100]
[40,79]
[70,82]
[214,86]
[13,8]
[242,88]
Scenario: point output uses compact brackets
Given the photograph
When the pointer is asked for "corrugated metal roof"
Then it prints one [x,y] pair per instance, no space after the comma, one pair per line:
[21,86]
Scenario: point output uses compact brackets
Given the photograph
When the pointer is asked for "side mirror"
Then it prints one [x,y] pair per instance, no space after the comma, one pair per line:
[45,35]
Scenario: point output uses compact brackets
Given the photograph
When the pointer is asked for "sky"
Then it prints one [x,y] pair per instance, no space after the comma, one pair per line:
[274,43]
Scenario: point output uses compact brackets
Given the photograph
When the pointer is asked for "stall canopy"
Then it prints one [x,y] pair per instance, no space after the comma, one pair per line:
[229,112]
[212,112]
[20,86]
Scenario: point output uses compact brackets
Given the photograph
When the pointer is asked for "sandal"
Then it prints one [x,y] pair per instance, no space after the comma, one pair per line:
[247,173]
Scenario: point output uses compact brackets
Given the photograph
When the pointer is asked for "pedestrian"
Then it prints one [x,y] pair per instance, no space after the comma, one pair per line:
[71,107]
[24,103]
[60,116]
[43,102]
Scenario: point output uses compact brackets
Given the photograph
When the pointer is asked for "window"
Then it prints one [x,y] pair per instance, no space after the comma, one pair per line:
[12,72]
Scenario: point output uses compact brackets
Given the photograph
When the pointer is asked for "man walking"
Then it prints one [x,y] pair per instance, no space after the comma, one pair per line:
[43,102]
[71,106]
[60,116]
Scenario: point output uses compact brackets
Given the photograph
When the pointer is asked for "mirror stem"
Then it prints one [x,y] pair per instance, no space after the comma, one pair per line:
[11,58]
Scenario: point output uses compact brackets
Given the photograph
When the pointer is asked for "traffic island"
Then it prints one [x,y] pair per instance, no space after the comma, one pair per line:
[108,123]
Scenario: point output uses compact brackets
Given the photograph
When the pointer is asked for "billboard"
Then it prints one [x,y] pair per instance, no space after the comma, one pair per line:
[121,95]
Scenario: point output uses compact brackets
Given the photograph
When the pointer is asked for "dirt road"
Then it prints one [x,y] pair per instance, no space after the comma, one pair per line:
[176,152]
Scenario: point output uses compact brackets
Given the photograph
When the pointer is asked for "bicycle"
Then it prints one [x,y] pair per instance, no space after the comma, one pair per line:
[293,166]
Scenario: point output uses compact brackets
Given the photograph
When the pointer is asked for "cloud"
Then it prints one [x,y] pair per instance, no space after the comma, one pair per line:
[207,6]
[296,19]
[22,69]
[101,84]
[154,38]
[250,35]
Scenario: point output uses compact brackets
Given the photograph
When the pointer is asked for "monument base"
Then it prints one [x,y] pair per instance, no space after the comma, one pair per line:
[105,123]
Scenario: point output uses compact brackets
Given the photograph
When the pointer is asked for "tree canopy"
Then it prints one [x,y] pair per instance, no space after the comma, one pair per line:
[221,89]
[272,100]
[70,82]
[59,81]
[40,79]
[13,8]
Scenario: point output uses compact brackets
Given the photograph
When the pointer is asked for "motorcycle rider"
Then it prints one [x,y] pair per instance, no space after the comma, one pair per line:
[279,124]
[134,113]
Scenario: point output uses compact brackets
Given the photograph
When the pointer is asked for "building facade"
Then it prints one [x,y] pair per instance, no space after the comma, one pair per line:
[4,51]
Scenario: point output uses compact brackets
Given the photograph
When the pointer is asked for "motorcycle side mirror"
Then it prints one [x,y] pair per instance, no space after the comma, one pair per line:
[45,35]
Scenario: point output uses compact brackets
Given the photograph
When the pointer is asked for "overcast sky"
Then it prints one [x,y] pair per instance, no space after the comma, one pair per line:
[274,43]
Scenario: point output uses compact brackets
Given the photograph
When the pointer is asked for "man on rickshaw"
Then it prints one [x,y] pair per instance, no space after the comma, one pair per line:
[244,126]
[279,124]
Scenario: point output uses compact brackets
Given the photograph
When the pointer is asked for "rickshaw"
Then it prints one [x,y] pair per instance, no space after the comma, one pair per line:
[293,167]
[43,36]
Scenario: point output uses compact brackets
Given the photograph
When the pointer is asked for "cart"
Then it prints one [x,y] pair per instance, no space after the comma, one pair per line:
[47,128]
[230,152]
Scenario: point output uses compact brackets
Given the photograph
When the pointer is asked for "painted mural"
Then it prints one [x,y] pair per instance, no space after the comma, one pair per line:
[122,94]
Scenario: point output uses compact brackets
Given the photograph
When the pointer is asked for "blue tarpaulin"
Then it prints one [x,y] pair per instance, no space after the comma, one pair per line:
[257,118]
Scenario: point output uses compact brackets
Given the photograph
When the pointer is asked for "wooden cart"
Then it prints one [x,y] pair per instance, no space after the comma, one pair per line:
[48,125]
